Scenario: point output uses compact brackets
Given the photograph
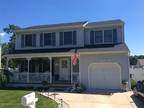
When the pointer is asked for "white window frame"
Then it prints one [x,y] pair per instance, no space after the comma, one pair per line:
[102,36]
[43,39]
[25,39]
[72,38]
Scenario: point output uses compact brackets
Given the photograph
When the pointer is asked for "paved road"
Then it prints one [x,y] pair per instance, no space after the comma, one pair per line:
[115,100]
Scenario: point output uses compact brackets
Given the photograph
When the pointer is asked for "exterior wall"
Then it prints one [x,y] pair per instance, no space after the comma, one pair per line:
[120,34]
[137,73]
[83,37]
[80,39]
[87,59]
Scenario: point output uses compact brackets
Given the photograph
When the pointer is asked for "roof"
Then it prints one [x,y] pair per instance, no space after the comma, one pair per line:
[53,26]
[81,23]
[85,24]
[105,23]
[88,48]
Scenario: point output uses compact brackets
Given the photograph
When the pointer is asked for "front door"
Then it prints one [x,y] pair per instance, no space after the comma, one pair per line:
[64,73]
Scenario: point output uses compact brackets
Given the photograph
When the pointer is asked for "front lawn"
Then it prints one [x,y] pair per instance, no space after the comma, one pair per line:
[12,99]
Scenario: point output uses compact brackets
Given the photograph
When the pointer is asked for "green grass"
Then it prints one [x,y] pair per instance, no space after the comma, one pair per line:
[12,99]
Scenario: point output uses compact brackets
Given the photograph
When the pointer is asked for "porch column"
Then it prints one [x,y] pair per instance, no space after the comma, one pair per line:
[7,63]
[50,58]
[28,60]
[71,71]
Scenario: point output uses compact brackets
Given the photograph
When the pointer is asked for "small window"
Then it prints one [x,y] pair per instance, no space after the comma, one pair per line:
[47,39]
[98,37]
[28,40]
[108,36]
[68,38]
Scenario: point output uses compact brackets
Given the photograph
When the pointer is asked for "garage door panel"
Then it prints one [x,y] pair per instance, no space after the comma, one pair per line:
[104,76]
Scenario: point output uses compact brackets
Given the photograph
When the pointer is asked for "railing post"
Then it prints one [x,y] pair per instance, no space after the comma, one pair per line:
[28,60]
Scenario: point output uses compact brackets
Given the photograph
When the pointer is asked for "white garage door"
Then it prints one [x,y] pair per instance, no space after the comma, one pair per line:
[104,76]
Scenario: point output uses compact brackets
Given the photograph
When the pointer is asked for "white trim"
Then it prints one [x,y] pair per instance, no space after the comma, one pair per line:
[104,63]
[28,60]
[50,58]
[71,70]
[79,70]
[59,54]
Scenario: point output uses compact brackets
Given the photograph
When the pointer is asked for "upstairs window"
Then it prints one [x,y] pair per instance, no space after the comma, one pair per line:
[28,40]
[68,38]
[103,36]
[47,39]
[108,36]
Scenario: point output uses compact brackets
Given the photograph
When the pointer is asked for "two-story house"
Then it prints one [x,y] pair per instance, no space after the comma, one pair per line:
[44,53]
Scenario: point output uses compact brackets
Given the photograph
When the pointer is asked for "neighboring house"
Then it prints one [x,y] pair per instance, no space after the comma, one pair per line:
[140,63]
[137,74]
[45,54]
[137,71]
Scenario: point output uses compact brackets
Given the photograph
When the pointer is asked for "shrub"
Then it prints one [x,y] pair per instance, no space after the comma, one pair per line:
[44,83]
[78,88]
[3,78]
[133,84]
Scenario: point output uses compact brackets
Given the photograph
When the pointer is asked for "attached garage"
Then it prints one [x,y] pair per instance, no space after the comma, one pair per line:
[104,76]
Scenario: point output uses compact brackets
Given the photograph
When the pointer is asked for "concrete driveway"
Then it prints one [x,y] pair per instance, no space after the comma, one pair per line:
[115,100]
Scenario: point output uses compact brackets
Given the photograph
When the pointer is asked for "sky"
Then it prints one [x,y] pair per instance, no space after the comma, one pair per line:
[26,13]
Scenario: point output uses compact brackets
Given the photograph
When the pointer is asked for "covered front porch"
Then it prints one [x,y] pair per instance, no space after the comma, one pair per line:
[39,68]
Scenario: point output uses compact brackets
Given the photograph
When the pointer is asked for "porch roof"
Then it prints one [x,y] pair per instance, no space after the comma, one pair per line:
[69,51]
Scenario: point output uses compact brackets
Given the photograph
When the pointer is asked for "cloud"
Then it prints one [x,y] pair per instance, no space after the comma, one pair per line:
[2,33]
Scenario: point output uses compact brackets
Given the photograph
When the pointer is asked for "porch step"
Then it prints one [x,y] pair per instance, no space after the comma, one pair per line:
[60,87]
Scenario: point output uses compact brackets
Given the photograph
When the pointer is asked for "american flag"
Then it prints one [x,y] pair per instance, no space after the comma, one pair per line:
[75,58]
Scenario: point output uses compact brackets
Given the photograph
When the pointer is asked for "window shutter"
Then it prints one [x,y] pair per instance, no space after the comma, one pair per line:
[61,38]
[74,38]
[22,41]
[92,37]
[34,40]
[53,39]
[41,39]
[115,35]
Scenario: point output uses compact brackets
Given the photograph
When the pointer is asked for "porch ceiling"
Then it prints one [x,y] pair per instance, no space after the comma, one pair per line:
[32,55]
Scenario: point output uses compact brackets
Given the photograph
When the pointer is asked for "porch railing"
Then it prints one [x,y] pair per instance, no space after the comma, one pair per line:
[36,77]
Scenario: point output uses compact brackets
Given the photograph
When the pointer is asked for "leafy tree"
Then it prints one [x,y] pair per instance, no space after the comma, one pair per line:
[133,60]
[10,30]
[10,46]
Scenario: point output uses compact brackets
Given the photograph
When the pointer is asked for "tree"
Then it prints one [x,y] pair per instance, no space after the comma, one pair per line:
[10,46]
[10,30]
[133,60]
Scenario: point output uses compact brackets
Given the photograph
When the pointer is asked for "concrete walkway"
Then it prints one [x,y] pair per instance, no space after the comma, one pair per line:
[115,100]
